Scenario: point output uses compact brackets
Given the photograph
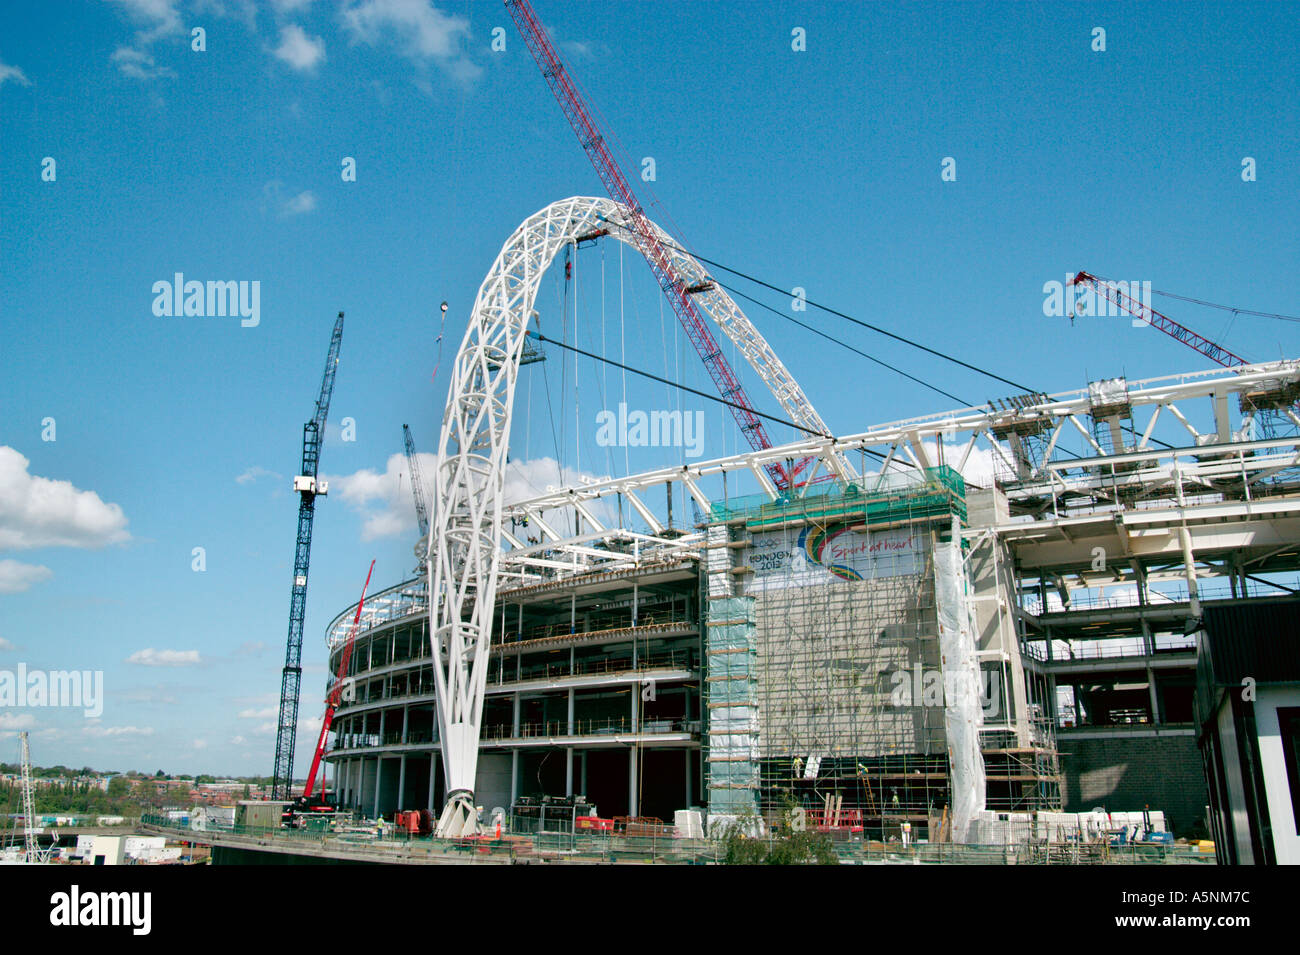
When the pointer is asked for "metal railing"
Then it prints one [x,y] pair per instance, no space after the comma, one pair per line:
[365,838]
[1116,648]
[1220,589]
[673,660]
[593,727]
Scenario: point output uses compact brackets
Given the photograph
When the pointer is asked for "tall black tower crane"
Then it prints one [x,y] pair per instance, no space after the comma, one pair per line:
[308,489]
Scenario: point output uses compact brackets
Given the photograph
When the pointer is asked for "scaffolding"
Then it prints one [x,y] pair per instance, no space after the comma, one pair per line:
[824,626]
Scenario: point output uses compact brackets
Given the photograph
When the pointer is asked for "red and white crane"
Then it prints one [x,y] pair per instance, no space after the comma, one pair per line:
[336,692]
[677,290]
[1109,290]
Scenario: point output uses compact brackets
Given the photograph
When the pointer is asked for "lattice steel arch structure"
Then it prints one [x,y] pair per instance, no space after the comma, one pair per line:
[464,560]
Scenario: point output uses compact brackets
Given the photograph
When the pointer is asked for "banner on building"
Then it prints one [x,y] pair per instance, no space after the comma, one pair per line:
[802,556]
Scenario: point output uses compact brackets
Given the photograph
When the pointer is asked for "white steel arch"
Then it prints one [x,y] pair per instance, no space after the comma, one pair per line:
[464,560]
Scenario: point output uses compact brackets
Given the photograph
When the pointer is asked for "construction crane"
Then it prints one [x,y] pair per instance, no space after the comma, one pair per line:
[417,488]
[29,805]
[1110,291]
[618,189]
[308,489]
[335,695]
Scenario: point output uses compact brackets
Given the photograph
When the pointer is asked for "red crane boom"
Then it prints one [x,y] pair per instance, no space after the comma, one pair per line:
[616,185]
[336,691]
[1209,349]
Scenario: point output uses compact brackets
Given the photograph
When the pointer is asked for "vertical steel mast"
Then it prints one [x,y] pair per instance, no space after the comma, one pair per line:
[307,487]
[29,805]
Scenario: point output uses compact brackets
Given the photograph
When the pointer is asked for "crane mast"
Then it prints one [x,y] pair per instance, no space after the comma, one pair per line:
[661,264]
[29,805]
[417,489]
[1209,349]
[308,489]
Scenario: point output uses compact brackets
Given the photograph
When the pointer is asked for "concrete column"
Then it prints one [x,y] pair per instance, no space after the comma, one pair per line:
[433,768]
[382,713]
[401,783]
[1156,718]
[570,717]
[690,795]
[1189,567]
[379,781]
[406,720]
[568,770]
[514,716]
[632,808]
[514,776]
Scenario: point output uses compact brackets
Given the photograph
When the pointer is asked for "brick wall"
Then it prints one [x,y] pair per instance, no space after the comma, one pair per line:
[1126,774]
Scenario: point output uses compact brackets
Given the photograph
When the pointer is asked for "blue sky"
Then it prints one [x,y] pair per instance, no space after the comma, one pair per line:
[818,169]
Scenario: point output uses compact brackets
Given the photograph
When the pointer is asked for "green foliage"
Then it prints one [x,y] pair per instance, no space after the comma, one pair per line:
[783,846]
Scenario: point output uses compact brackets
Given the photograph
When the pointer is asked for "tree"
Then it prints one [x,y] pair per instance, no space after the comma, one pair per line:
[785,846]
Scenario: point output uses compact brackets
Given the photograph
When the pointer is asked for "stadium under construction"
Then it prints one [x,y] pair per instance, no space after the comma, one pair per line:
[1021,622]
[900,647]
[881,649]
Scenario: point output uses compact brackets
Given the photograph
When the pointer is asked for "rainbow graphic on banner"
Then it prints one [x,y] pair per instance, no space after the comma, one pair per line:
[813,543]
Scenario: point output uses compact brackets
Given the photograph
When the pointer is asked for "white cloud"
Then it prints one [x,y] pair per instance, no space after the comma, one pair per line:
[263,714]
[15,577]
[290,6]
[97,731]
[8,72]
[39,512]
[152,695]
[286,206]
[243,10]
[165,658]
[385,502]
[255,472]
[158,18]
[138,64]
[6,645]
[16,721]
[237,741]
[303,202]
[199,744]
[980,466]
[419,30]
[579,50]
[298,49]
